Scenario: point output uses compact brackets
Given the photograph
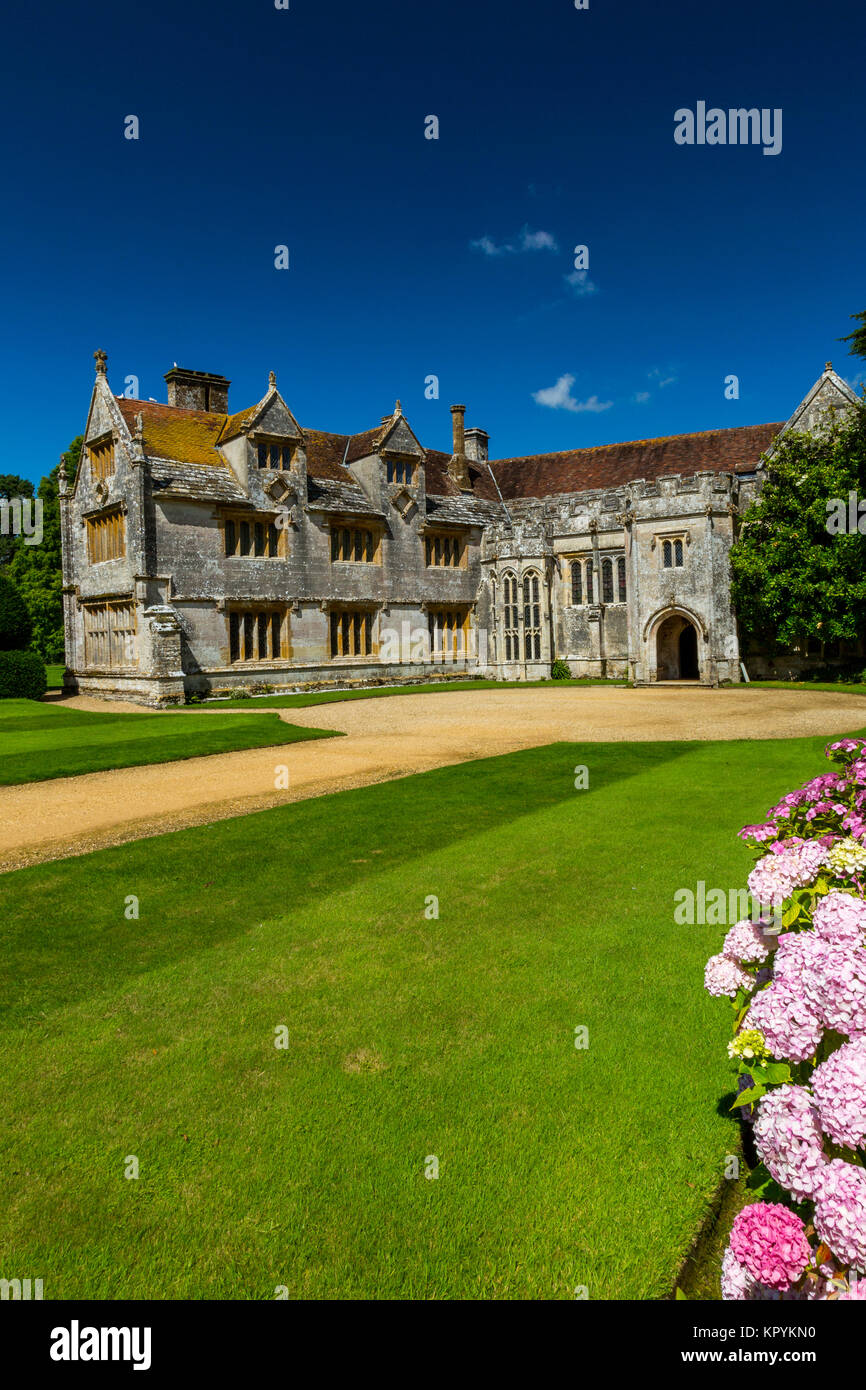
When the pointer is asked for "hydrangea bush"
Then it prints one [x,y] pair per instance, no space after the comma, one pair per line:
[797,982]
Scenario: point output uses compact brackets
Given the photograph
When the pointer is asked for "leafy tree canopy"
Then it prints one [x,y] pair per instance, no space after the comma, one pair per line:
[15,626]
[11,486]
[37,570]
[793,578]
[857,339]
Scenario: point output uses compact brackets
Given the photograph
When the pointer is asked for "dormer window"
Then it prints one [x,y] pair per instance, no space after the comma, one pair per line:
[399,470]
[102,458]
[275,455]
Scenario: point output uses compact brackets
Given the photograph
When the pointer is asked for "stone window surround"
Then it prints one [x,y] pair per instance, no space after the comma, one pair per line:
[103,637]
[355,526]
[99,528]
[433,536]
[661,539]
[449,627]
[101,456]
[267,442]
[368,629]
[516,603]
[586,560]
[400,469]
[265,519]
[239,609]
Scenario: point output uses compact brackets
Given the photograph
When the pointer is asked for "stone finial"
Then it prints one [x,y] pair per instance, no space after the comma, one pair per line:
[62,479]
[272,381]
[398,409]
[139,428]
[101,359]
[828,366]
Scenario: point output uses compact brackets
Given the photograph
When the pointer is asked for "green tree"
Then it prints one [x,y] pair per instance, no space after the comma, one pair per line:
[11,486]
[792,577]
[15,625]
[37,570]
[857,339]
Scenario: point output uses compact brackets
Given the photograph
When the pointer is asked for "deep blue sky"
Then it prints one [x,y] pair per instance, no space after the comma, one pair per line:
[306,127]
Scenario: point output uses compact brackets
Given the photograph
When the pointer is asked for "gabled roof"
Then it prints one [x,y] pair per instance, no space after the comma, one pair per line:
[234,425]
[367,442]
[186,436]
[735,450]
[831,390]
[191,436]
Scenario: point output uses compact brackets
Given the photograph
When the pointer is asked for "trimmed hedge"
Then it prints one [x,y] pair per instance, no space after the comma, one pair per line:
[22,676]
[560,671]
[16,628]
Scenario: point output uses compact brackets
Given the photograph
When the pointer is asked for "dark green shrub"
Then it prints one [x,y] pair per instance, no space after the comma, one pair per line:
[16,628]
[560,671]
[22,676]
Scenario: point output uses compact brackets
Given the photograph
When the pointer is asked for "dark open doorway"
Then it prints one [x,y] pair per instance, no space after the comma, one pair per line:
[677,650]
[688,654]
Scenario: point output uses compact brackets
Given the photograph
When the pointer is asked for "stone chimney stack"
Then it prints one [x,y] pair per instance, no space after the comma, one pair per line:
[458,467]
[458,413]
[476,445]
[197,390]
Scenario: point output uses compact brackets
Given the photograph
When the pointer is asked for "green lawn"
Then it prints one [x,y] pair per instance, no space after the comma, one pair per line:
[54,673]
[836,686]
[329,697]
[38,740]
[408,1038]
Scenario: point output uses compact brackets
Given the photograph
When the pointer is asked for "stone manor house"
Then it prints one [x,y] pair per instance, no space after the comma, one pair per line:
[206,551]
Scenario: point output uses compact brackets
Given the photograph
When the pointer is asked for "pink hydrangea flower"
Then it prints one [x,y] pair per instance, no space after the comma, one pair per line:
[840,1212]
[842,977]
[787,1021]
[799,964]
[840,918]
[775,877]
[839,1088]
[737,1283]
[770,1241]
[748,943]
[788,1139]
[724,976]
[769,831]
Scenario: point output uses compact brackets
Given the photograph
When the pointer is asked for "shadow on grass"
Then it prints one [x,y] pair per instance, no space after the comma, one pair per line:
[64,934]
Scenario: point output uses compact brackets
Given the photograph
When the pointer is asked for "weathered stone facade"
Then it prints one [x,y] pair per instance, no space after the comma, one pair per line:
[212,552]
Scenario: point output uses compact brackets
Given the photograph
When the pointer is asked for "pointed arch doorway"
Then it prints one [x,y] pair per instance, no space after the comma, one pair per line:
[677,649]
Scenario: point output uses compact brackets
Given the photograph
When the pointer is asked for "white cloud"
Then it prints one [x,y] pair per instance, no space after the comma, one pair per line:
[559,397]
[488,246]
[526,241]
[641,397]
[660,378]
[537,241]
[580,283]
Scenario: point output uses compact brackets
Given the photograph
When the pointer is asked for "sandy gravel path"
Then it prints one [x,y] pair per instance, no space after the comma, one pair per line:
[387,738]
